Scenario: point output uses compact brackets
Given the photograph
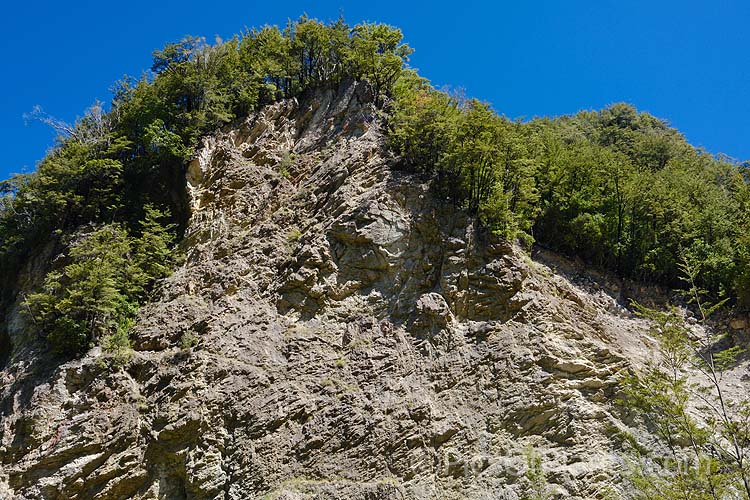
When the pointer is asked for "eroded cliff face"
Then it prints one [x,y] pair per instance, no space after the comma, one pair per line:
[335,332]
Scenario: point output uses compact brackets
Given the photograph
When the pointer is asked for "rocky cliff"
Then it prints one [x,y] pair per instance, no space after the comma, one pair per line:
[334,332]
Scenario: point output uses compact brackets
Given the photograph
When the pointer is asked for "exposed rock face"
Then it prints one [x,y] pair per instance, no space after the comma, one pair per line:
[334,332]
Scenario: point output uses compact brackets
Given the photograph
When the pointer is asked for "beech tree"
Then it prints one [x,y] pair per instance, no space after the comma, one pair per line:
[379,55]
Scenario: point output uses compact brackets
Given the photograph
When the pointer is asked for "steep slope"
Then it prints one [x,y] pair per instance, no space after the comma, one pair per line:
[334,331]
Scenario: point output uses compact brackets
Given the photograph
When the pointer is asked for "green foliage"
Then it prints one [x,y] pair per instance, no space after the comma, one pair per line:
[481,161]
[378,55]
[726,359]
[309,53]
[538,487]
[117,344]
[617,188]
[88,297]
[422,121]
[624,191]
[293,235]
[706,457]
[188,340]
[287,160]
[162,142]
[153,257]
[675,479]
[95,294]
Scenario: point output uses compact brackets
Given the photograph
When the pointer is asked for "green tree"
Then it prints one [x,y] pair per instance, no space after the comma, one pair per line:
[378,55]
[153,249]
[88,297]
[707,458]
[265,53]
[422,123]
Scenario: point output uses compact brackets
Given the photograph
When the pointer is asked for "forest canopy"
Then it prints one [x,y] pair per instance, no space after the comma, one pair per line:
[617,188]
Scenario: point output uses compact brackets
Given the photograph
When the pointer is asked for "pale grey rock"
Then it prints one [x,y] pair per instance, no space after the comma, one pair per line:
[356,338]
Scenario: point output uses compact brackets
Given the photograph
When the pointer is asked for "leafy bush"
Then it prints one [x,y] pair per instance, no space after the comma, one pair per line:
[88,297]
[188,340]
[117,344]
[537,486]
[96,293]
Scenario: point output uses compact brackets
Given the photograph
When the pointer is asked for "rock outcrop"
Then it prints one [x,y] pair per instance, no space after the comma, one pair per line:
[334,332]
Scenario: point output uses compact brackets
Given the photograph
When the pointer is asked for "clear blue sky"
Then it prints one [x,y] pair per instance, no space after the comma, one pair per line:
[687,61]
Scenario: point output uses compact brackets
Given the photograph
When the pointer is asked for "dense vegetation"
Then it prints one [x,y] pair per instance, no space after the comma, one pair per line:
[617,188]
[111,196]
[107,273]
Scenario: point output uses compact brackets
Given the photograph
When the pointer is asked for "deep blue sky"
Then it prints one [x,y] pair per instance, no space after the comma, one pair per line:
[687,61]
